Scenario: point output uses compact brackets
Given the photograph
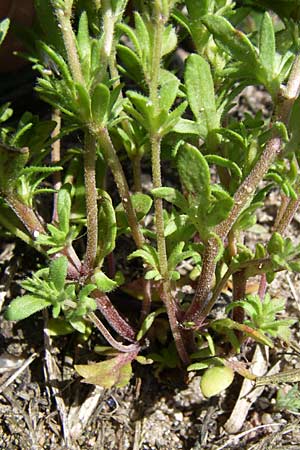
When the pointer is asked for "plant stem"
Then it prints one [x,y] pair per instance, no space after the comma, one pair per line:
[117,171]
[158,205]
[55,158]
[288,215]
[136,169]
[110,313]
[64,20]
[155,139]
[89,156]
[25,214]
[115,344]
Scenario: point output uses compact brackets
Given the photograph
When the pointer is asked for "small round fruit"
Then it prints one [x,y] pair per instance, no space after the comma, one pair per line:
[215,380]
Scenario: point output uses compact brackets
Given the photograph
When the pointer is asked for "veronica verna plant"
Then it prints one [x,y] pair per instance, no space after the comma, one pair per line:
[110,71]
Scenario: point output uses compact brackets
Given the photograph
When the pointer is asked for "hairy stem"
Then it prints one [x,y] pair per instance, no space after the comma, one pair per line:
[117,171]
[25,214]
[155,139]
[64,20]
[288,215]
[91,201]
[55,158]
[110,313]
[110,339]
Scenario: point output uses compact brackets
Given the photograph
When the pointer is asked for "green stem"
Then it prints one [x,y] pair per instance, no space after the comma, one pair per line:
[64,20]
[91,201]
[158,205]
[55,159]
[156,56]
[155,139]
[117,171]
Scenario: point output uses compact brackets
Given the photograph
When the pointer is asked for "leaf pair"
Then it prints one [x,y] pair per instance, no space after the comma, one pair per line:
[61,235]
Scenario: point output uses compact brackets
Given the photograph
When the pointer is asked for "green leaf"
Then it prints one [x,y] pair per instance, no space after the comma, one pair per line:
[177,255]
[149,255]
[5,112]
[200,91]
[143,37]
[79,324]
[100,104]
[171,195]
[102,281]
[64,207]
[185,126]
[148,321]
[4,26]
[224,325]
[225,162]
[59,63]
[215,380]
[113,372]
[232,40]
[144,107]
[12,161]
[194,175]
[59,327]
[58,272]
[267,51]
[276,244]
[141,203]
[169,40]
[168,90]
[197,366]
[107,225]
[220,207]
[83,37]
[132,36]
[167,122]
[83,102]
[22,307]
[130,63]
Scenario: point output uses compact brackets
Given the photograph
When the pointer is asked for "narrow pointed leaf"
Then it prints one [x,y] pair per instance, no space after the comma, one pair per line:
[200,91]
[4,25]
[267,44]
[64,208]
[232,40]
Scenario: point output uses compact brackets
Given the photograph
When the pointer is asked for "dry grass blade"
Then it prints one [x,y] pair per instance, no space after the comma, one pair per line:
[79,416]
[18,372]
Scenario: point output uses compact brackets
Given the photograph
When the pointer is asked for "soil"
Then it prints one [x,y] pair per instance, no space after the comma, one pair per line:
[157,410]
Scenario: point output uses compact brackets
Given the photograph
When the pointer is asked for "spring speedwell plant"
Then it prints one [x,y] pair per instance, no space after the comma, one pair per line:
[112,76]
